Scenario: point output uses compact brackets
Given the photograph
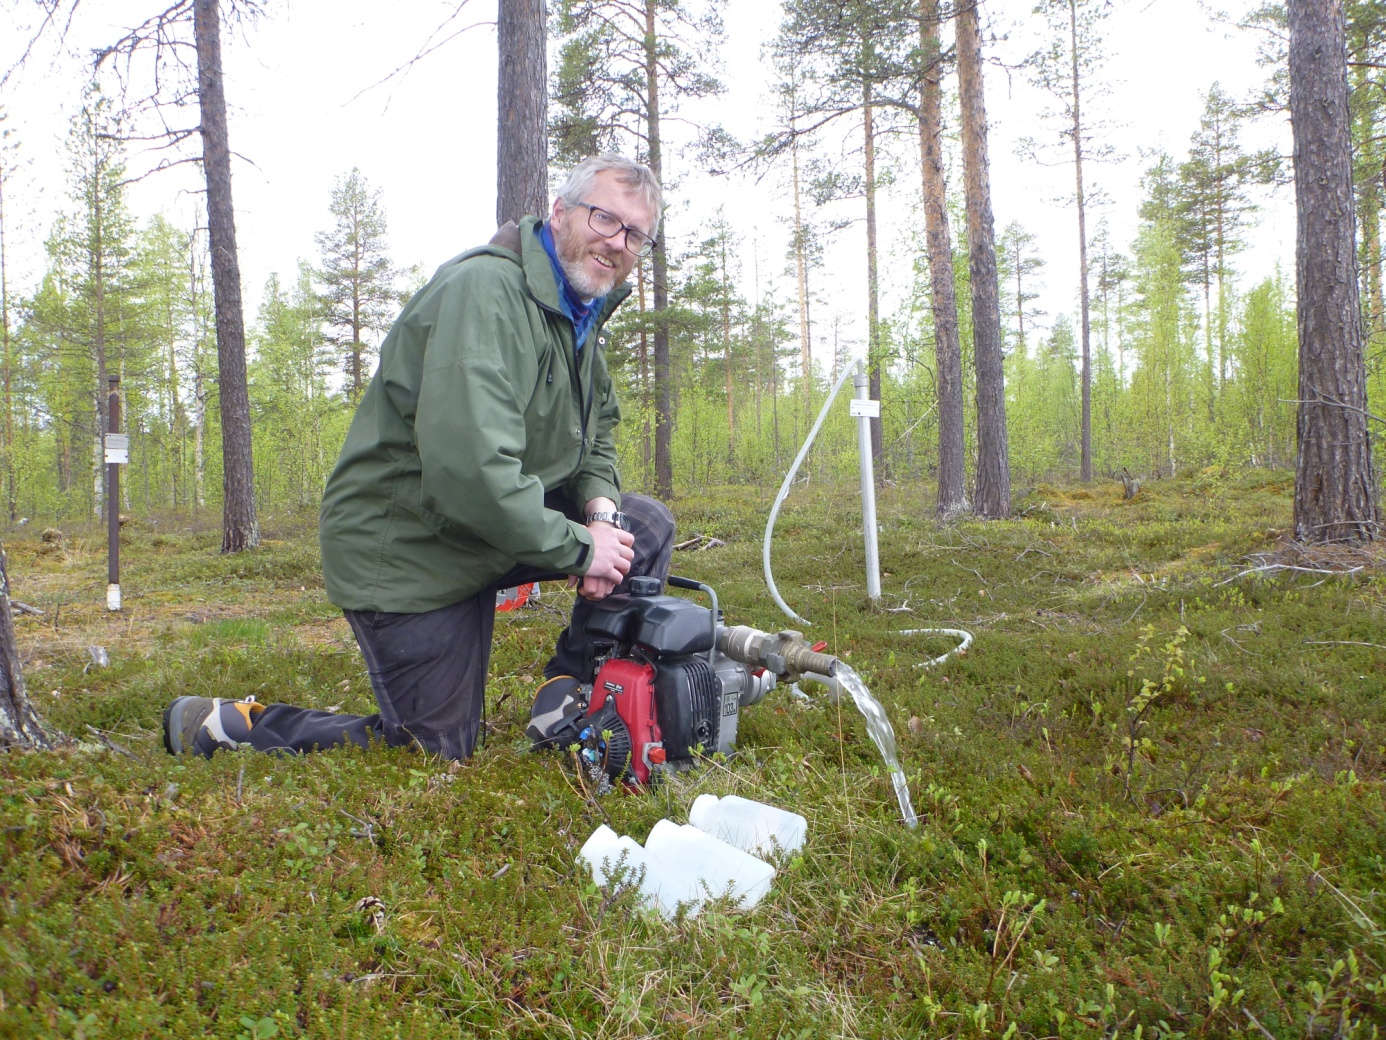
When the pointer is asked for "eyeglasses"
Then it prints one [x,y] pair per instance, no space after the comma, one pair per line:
[607,225]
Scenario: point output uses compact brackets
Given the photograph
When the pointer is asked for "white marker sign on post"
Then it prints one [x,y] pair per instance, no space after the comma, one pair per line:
[864,408]
[117,449]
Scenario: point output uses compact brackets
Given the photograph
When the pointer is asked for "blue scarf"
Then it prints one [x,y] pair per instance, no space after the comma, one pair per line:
[582,313]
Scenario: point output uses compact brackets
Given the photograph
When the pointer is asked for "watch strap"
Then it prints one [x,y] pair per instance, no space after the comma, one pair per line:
[608,516]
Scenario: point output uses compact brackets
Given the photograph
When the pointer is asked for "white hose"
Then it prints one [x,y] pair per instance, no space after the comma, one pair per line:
[834,687]
[784,493]
[958,633]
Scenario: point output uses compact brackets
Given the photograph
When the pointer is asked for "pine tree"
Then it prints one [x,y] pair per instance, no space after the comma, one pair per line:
[357,278]
[623,69]
[1335,482]
[1213,209]
[1022,263]
[993,455]
[522,94]
[1067,68]
[8,164]
[952,485]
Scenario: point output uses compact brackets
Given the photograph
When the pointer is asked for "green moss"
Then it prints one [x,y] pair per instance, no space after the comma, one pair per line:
[1056,882]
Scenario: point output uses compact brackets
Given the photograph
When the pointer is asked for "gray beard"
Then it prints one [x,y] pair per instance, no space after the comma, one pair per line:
[585,286]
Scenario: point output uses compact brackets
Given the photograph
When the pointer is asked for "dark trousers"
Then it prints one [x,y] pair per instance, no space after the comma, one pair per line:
[428,671]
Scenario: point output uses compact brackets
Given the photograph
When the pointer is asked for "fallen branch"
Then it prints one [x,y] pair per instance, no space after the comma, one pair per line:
[1342,642]
[24,608]
[699,542]
[111,744]
[1268,568]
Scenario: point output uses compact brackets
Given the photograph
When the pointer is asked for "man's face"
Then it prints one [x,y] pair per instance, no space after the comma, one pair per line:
[596,265]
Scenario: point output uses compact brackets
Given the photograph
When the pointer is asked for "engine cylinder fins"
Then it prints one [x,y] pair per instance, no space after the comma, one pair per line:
[688,696]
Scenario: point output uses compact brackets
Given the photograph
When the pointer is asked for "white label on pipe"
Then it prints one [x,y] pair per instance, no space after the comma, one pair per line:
[117,449]
[112,597]
[864,409]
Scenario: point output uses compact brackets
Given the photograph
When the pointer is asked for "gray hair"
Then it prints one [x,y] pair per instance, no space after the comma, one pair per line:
[636,177]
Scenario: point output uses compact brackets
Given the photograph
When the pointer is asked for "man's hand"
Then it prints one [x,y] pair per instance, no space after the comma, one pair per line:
[612,553]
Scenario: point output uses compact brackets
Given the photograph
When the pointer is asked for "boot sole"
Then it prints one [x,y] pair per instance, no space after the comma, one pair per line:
[173,725]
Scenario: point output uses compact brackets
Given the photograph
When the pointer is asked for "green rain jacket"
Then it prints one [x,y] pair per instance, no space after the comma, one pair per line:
[480,406]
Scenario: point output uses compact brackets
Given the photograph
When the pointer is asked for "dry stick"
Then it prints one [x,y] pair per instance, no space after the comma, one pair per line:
[1284,567]
[1326,399]
[240,781]
[111,743]
[24,608]
[1342,642]
[1254,1021]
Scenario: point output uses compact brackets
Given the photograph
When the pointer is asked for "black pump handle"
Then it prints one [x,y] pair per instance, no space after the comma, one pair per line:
[684,583]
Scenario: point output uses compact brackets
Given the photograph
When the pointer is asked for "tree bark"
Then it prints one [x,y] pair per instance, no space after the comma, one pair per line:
[873,310]
[240,528]
[1335,485]
[522,139]
[19,723]
[993,452]
[952,491]
[1085,463]
[801,278]
[659,274]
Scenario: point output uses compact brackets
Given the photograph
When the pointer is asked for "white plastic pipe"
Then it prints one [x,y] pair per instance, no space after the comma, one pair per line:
[784,493]
[868,488]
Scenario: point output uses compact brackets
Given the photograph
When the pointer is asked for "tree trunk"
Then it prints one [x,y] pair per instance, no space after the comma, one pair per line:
[645,445]
[727,361]
[1335,486]
[11,502]
[873,315]
[659,272]
[19,723]
[801,276]
[952,491]
[1085,465]
[522,141]
[993,452]
[240,528]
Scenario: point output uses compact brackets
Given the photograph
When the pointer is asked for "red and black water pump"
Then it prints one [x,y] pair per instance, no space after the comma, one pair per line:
[669,683]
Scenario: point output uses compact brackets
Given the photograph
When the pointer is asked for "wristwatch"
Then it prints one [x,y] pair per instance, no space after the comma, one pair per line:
[607,516]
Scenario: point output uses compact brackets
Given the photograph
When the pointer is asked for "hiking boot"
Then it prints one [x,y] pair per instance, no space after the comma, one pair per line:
[203,725]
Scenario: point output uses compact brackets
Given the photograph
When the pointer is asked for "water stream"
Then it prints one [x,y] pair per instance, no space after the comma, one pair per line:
[881,734]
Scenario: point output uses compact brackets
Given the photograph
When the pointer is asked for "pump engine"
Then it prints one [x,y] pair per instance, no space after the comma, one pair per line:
[669,683]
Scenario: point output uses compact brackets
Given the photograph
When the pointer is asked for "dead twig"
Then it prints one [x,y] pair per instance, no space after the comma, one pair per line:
[1342,642]
[699,542]
[1271,567]
[111,744]
[24,608]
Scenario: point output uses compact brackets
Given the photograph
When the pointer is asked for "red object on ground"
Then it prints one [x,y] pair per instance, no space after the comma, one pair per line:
[513,599]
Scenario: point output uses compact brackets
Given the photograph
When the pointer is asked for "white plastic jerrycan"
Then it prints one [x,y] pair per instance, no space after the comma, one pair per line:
[659,891]
[691,861]
[604,851]
[753,827]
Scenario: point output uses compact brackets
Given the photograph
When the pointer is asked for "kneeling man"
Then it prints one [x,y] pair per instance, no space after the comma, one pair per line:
[481,456]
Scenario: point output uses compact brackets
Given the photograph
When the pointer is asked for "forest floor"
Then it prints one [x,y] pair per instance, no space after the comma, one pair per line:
[1150,797]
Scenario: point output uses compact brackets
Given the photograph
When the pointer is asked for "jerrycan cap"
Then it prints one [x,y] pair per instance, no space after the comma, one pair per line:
[644,585]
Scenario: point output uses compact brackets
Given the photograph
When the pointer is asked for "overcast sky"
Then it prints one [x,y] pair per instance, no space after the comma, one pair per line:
[304,111]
